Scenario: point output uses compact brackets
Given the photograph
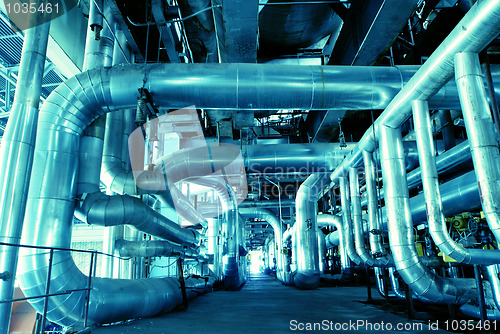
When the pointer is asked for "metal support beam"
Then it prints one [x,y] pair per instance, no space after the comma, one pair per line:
[167,36]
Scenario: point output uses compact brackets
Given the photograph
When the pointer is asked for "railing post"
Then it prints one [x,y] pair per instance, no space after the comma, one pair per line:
[91,270]
[47,291]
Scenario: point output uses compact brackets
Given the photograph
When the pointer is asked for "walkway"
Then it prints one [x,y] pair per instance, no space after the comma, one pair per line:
[266,306]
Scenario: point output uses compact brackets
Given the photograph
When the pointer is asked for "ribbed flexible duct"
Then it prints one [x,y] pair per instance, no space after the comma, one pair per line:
[433,203]
[401,238]
[307,273]
[481,133]
[16,157]
[472,34]
[346,218]
[335,221]
[272,220]
[103,210]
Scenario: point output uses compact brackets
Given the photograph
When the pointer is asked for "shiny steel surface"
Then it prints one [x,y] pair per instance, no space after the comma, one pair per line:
[346,217]
[477,29]
[433,202]
[16,157]
[287,159]
[335,221]
[103,210]
[481,133]
[401,238]
[373,212]
[357,219]
[153,248]
[307,273]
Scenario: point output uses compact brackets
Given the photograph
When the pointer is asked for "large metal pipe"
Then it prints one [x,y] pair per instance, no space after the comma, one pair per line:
[401,238]
[374,226]
[153,248]
[16,157]
[357,219]
[472,34]
[307,273]
[346,217]
[232,275]
[481,133]
[335,221]
[432,195]
[103,210]
[275,223]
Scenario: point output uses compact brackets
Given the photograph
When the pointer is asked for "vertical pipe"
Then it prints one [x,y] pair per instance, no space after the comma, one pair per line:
[481,134]
[448,131]
[480,293]
[16,157]
[400,225]
[373,212]
[346,217]
[357,218]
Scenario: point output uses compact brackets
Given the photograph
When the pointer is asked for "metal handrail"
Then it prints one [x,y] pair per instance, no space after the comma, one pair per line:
[46,296]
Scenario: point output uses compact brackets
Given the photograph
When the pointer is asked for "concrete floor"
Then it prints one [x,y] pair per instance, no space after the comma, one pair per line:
[264,305]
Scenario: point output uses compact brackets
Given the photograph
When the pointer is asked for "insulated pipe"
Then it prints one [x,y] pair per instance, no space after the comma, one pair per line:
[472,34]
[482,137]
[376,247]
[321,250]
[16,157]
[290,159]
[400,226]
[307,274]
[335,221]
[103,210]
[275,223]
[357,218]
[346,217]
[153,248]
[432,195]
[232,276]
[493,273]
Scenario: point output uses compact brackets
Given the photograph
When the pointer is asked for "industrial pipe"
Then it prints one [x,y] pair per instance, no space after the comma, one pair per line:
[275,223]
[357,219]
[335,221]
[346,217]
[473,33]
[307,272]
[432,195]
[481,133]
[16,156]
[400,225]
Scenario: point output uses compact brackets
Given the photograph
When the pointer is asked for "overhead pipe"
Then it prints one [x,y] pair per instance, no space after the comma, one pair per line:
[275,223]
[481,133]
[346,217]
[472,34]
[307,272]
[335,221]
[432,195]
[401,238]
[16,157]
